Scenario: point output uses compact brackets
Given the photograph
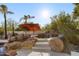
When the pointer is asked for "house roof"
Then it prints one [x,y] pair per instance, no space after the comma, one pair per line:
[31,27]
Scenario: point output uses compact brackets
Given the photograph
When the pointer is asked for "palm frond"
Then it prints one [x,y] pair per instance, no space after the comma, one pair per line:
[10,12]
[21,18]
[4,8]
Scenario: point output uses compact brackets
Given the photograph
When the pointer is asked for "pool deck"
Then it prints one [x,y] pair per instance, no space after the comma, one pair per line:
[3,41]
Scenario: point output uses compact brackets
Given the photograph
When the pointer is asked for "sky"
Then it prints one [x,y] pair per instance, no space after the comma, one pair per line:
[41,11]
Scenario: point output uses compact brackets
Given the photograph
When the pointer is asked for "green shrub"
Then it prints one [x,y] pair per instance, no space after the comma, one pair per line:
[1,31]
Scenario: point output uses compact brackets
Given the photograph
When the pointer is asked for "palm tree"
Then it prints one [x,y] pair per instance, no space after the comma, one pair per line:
[4,11]
[76,10]
[13,28]
[26,17]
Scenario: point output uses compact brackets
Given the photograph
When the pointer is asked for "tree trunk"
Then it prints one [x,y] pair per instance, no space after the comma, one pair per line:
[13,29]
[5,26]
[25,21]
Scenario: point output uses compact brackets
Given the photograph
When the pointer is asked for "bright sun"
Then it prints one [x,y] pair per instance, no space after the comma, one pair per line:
[45,13]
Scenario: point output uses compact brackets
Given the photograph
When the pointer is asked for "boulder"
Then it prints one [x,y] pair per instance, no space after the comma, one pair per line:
[27,44]
[41,35]
[56,44]
[11,53]
[20,37]
[13,45]
[26,36]
[30,42]
[12,39]
[33,39]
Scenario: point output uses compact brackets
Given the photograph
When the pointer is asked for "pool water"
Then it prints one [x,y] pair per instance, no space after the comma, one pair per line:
[2,49]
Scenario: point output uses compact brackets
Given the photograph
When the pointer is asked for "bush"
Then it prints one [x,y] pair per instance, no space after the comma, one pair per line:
[1,31]
[75,40]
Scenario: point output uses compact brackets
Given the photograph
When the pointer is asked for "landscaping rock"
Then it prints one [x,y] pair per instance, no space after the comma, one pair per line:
[56,44]
[12,39]
[11,53]
[20,37]
[26,36]
[41,35]
[33,39]
[13,45]
[27,44]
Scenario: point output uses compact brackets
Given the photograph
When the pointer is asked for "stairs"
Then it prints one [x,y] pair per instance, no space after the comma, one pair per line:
[42,46]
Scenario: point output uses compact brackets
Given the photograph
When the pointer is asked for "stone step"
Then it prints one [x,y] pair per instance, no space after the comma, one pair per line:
[41,50]
[39,54]
[42,41]
[43,38]
[41,47]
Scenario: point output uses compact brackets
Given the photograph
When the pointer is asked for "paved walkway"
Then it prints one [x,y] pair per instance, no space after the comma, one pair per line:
[40,49]
[3,41]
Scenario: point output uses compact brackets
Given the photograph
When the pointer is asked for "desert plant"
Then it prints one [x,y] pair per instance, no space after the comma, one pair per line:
[76,10]
[1,31]
[4,11]
[67,26]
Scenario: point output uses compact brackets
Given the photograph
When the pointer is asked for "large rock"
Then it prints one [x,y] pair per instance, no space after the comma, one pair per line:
[41,35]
[30,42]
[13,45]
[11,53]
[56,44]
[27,44]
[20,37]
[12,39]
[26,36]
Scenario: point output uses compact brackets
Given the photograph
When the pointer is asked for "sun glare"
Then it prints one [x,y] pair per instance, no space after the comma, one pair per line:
[45,14]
